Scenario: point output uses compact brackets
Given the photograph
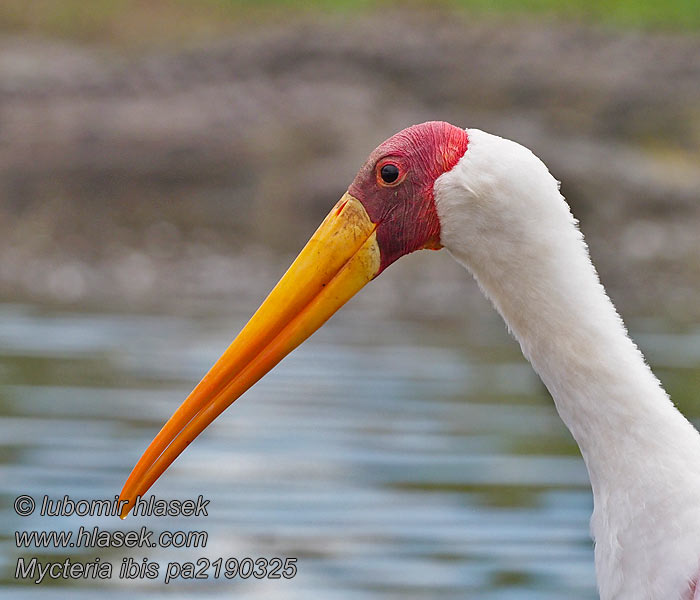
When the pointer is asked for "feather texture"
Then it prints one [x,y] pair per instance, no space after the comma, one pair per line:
[502,217]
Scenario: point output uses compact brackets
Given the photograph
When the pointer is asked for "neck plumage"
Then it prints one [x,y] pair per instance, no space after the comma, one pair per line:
[572,335]
[503,218]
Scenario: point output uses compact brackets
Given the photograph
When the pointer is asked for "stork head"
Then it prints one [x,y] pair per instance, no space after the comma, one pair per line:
[389,210]
[395,186]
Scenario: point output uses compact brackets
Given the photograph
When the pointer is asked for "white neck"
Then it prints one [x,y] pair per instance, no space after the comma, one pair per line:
[503,218]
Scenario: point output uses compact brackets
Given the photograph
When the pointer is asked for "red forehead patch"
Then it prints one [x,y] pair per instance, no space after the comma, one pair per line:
[403,205]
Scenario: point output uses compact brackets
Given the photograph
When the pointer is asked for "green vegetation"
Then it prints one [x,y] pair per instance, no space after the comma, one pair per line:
[647,14]
[139,22]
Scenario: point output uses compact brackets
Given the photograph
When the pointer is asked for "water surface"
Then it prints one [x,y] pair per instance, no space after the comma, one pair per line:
[413,466]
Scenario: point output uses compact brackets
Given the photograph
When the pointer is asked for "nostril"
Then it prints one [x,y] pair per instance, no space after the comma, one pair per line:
[340,208]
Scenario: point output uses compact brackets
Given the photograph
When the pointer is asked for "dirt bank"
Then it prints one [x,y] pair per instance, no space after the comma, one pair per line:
[123,177]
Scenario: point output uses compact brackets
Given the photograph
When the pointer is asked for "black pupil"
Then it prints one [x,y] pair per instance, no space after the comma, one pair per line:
[389,173]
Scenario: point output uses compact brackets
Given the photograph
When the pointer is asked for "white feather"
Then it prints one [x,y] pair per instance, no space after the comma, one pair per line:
[503,218]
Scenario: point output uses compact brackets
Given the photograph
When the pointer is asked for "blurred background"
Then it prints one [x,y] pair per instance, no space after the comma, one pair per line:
[162,162]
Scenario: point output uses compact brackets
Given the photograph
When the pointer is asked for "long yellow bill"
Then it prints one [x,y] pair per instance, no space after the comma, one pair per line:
[339,259]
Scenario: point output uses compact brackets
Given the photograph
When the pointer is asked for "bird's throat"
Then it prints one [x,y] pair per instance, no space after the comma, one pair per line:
[503,218]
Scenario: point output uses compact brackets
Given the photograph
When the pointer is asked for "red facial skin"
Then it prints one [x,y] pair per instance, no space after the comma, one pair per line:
[405,209]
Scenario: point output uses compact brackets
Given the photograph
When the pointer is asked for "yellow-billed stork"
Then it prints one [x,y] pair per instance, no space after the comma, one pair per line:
[494,205]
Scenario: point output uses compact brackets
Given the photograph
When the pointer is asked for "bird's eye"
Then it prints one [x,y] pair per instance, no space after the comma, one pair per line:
[389,173]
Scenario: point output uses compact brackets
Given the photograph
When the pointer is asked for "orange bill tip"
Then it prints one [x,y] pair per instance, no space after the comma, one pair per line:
[340,258]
